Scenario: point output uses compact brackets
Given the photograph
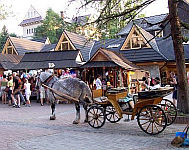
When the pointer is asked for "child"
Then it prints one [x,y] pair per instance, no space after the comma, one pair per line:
[27,93]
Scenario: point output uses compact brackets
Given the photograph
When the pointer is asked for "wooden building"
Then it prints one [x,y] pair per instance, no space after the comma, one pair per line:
[112,67]
[18,46]
[50,60]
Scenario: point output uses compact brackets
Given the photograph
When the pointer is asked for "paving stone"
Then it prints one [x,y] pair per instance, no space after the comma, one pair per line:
[29,128]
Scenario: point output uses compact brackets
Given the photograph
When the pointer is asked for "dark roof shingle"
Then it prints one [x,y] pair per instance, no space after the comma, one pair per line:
[7,61]
[41,60]
[31,20]
[24,45]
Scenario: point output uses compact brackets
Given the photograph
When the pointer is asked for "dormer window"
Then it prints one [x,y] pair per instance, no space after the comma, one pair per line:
[65,45]
[135,41]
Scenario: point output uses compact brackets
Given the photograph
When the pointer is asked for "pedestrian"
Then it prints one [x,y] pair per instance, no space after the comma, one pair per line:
[148,80]
[27,89]
[17,87]
[11,98]
[98,82]
[42,95]
[173,82]
[3,85]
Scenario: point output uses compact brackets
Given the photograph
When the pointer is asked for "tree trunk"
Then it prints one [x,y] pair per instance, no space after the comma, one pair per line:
[183,91]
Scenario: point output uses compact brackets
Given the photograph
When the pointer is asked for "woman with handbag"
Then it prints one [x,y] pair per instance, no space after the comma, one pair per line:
[3,86]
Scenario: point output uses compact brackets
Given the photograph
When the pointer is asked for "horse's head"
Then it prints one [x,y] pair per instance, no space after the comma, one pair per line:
[88,94]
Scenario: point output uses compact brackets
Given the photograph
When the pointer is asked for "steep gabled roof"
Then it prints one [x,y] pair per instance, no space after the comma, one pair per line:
[133,55]
[31,20]
[110,44]
[41,60]
[167,49]
[109,59]
[24,45]
[78,42]
[32,17]
[151,23]
[7,61]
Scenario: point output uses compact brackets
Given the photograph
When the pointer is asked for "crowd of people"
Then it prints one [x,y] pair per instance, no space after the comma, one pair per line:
[16,89]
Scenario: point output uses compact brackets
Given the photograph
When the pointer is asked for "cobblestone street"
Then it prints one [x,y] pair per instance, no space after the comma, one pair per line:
[29,128]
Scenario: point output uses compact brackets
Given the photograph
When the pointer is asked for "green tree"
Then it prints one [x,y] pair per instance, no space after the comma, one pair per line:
[52,27]
[3,37]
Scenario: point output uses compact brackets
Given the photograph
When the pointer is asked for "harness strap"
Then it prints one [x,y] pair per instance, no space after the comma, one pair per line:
[48,80]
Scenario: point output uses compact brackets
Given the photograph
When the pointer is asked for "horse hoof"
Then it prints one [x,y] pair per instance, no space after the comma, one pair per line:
[85,121]
[52,117]
[75,122]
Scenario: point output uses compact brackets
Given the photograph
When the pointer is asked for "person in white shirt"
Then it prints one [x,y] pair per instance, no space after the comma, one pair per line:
[156,84]
[27,93]
[98,83]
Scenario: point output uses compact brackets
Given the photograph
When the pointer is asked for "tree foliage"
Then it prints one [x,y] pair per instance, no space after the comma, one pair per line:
[52,27]
[114,14]
[4,11]
[4,35]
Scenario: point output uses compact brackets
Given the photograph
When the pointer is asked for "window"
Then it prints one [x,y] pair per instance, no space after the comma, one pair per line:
[32,30]
[28,14]
[9,50]
[65,45]
[31,14]
[157,34]
[135,41]
[27,31]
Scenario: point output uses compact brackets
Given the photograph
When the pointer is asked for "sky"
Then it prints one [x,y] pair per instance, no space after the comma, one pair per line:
[20,7]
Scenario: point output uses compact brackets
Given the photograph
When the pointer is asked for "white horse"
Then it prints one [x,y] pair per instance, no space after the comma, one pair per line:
[72,87]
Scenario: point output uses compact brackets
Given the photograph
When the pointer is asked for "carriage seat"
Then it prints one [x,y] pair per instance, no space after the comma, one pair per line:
[98,95]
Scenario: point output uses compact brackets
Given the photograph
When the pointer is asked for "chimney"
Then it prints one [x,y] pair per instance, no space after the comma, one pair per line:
[62,15]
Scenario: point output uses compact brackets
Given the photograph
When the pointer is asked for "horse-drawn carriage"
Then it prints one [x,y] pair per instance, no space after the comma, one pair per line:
[152,111]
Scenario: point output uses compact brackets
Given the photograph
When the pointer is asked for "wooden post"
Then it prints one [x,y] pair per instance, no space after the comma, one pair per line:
[93,76]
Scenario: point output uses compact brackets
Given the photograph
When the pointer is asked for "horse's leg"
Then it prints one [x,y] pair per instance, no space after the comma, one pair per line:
[77,119]
[85,105]
[53,117]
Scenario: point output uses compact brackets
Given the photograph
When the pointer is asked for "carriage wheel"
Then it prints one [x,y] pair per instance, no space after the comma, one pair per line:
[96,116]
[111,114]
[170,110]
[152,119]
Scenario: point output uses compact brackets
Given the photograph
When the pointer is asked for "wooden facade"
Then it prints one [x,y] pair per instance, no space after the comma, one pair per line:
[112,68]
[9,48]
